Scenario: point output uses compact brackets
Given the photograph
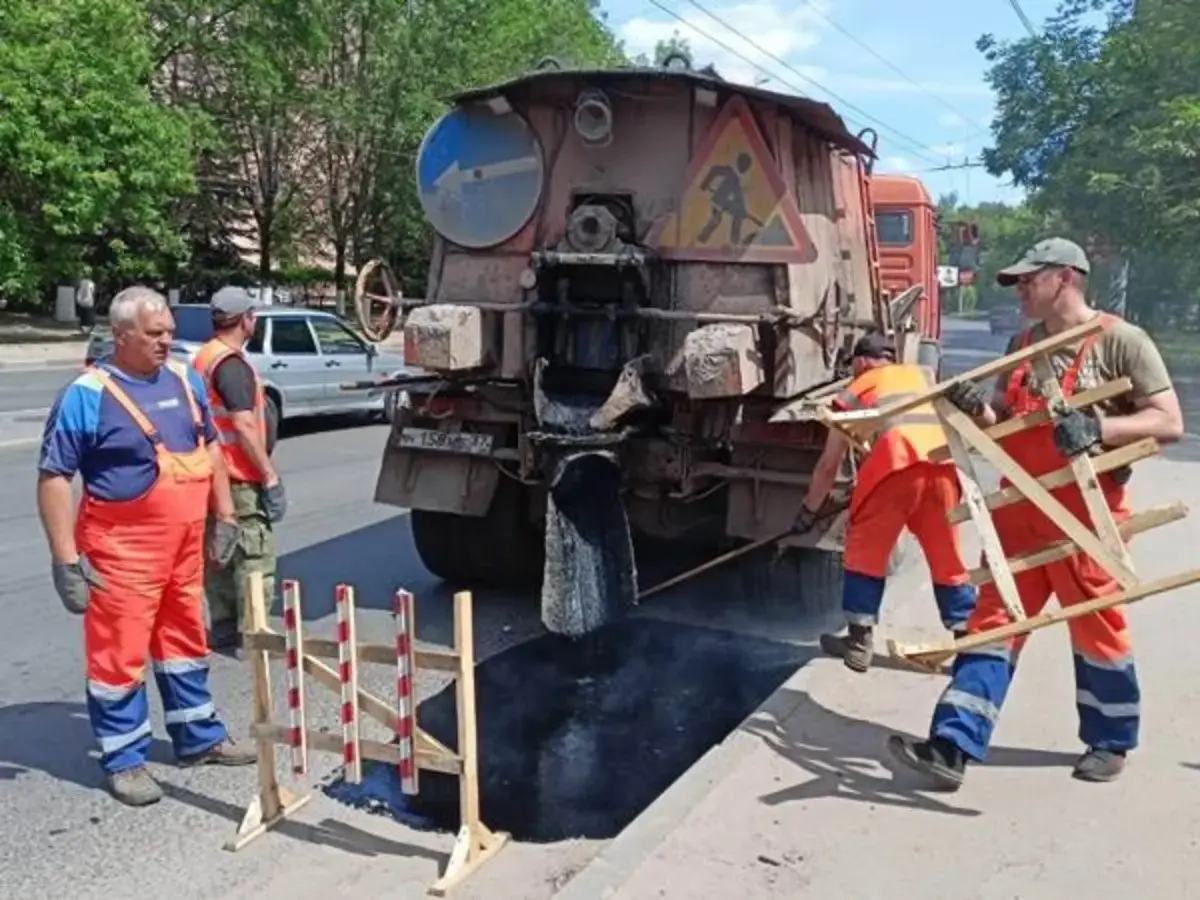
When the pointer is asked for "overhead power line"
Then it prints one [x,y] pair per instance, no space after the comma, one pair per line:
[1016,5]
[918,148]
[946,104]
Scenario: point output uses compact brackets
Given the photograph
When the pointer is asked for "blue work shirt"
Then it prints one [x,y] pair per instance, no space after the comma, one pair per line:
[90,433]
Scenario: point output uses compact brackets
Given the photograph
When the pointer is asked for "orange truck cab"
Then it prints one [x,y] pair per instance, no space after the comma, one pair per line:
[906,233]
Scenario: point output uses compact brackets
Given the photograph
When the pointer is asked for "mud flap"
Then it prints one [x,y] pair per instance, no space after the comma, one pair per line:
[590,576]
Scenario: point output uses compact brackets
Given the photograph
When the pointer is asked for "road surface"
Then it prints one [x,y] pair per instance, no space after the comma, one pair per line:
[64,836]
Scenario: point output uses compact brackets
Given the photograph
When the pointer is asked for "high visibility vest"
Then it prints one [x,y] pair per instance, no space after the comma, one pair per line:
[237,460]
[904,440]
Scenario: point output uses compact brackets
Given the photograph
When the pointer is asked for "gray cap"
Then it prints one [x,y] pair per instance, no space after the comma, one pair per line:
[1053,251]
[231,302]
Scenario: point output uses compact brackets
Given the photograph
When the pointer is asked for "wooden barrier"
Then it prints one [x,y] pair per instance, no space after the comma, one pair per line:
[1104,543]
[414,750]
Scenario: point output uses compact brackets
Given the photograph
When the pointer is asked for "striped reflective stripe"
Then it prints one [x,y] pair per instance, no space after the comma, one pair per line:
[191,714]
[970,703]
[1108,710]
[111,693]
[1109,665]
[860,619]
[114,742]
[852,401]
[992,651]
[180,666]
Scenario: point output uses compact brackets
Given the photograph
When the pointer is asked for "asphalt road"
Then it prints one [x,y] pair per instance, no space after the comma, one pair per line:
[60,833]
[31,389]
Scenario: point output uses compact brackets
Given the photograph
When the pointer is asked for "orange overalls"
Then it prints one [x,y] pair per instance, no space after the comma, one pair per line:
[149,554]
[1107,694]
[898,487]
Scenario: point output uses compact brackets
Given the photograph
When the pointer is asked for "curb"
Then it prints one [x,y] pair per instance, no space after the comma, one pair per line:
[613,866]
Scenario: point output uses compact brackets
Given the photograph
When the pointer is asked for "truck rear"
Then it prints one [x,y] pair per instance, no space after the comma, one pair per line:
[634,272]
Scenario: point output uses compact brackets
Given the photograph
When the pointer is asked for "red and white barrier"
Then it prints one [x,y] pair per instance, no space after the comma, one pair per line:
[294,654]
[348,676]
[405,669]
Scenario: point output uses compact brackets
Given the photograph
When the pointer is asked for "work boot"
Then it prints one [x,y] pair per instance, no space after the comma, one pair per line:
[226,753]
[135,787]
[854,648]
[1099,765]
[224,635]
[937,758]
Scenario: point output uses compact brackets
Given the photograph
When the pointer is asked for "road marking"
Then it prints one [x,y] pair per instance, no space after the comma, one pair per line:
[20,442]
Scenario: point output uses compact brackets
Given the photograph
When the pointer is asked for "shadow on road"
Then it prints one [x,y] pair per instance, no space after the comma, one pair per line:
[55,738]
[327,832]
[845,756]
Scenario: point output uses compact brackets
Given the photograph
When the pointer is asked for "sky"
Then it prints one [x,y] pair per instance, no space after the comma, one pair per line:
[909,70]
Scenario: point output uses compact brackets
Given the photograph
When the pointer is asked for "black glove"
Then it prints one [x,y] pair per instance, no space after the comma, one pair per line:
[1075,433]
[804,521]
[72,582]
[968,396]
[275,502]
[222,542]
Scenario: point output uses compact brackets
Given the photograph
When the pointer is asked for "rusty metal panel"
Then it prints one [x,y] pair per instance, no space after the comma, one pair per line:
[490,277]
[852,234]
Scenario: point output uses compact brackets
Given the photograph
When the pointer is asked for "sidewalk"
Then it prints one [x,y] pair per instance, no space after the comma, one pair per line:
[62,354]
[802,800]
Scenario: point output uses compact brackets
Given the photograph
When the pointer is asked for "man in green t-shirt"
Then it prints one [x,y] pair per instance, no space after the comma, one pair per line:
[1050,280]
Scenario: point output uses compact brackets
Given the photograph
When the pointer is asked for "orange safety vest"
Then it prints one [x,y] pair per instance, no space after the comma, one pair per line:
[1033,450]
[906,439]
[180,492]
[237,460]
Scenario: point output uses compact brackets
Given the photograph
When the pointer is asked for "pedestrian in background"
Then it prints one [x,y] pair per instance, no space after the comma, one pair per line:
[137,429]
[238,403]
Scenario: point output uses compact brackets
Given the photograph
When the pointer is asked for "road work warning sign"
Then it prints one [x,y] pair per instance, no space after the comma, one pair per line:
[734,206]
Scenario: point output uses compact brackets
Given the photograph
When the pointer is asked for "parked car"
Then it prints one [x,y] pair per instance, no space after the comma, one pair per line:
[1006,320]
[302,355]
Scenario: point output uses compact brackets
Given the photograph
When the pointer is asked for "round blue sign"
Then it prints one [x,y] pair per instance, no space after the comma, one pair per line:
[479,175]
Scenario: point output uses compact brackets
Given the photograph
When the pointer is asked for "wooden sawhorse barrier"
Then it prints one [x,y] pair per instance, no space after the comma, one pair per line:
[1105,545]
[414,750]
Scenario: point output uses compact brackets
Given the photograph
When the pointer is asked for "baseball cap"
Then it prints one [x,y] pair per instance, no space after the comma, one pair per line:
[231,302]
[1053,251]
[875,345]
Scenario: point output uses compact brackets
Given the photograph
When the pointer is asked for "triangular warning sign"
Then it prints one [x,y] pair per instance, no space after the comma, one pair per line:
[734,206]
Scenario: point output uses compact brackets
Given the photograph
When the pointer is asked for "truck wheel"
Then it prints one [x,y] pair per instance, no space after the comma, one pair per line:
[498,549]
[819,573]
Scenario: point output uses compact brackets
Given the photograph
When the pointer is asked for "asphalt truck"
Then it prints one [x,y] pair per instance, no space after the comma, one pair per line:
[650,265]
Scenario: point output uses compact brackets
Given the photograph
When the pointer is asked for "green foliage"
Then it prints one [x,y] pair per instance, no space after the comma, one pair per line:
[90,165]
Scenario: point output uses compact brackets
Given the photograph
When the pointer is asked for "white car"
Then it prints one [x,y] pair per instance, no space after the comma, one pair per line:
[302,355]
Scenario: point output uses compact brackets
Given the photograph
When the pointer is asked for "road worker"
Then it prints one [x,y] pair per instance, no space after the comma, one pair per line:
[235,395]
[898,486]
[137,429]
[1051,280]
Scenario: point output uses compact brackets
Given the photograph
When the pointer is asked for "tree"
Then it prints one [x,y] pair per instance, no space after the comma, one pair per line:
[91,166]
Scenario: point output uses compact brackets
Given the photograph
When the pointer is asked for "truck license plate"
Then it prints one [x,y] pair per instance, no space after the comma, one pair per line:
[446,441]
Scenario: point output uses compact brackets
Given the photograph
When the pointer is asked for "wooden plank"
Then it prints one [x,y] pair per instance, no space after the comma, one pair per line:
[381,712]
[1027,485]
[856,418]
[1003,429]
[1134,525]
[993,551]
[324,648]
[1082,468]
[934,652]
[371,749]
[1106,462]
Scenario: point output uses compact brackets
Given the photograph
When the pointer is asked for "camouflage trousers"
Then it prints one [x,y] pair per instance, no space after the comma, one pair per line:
[224,588]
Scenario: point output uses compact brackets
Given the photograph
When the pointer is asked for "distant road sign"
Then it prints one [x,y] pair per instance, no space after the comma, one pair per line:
[735,205]
[947,276]
[479,175]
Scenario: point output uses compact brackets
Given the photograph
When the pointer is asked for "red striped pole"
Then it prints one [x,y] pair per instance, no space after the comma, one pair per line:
[348,676]
[405,718]
[294,645]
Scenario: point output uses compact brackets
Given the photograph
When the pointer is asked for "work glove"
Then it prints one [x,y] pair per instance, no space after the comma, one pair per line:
[1075,433]
[804,521]
[970,397]
[275,502]
[222,542]
[72,582]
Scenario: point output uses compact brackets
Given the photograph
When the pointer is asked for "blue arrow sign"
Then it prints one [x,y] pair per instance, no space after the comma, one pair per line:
[479,175]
